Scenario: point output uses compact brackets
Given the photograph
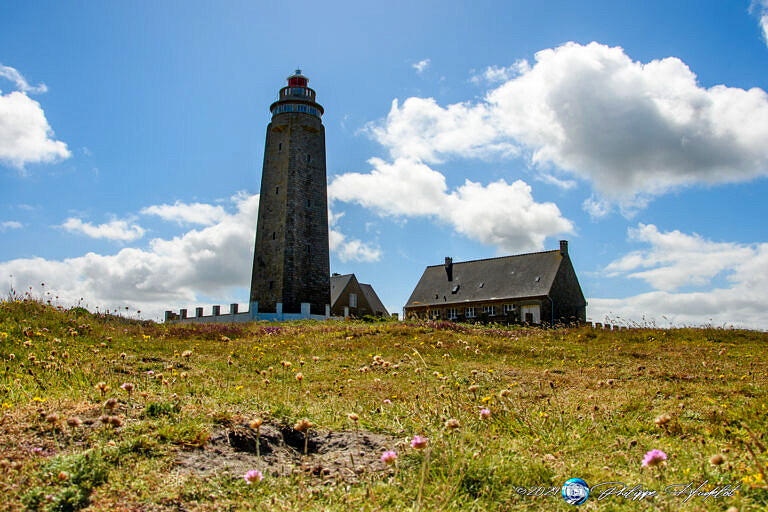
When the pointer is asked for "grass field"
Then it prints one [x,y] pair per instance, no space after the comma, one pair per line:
[105,413]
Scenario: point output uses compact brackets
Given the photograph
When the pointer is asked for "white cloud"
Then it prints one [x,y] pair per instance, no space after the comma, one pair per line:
[25,135]
[761,7]
[500,214]
[114,230]
[351,249]
[421,65]
[633,129]
[14,76]
[554,180]
[496,74]
[596,207]
[674,260]
[10,224]
[195,213]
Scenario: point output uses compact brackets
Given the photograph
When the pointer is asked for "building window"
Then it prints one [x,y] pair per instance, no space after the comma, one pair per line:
[274,235]
[508,308]
[307,248]
[489,310]
[279,147]
[309,158]
[469,312]
[434,315]
[277,189]
[451,313]
[271,284]
[353,300]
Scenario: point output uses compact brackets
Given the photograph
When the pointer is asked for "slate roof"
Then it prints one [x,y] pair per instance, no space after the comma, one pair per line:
[338,283]
[508,277]
[373,299]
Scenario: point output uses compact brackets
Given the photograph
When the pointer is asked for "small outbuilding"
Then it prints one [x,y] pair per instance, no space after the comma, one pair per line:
[533,288]
[357,298]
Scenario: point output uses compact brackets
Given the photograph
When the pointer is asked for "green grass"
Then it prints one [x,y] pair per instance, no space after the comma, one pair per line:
[564,403]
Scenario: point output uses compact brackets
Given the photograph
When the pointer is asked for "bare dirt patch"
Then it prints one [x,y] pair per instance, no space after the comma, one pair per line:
[340,455]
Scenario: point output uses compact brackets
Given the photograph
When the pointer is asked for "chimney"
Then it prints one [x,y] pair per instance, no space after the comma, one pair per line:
[564,247]
[449,267]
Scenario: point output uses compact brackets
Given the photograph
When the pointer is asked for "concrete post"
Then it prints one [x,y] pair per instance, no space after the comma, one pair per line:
[168,315]
[253,309]
[327,311]
[233,309]
[279,311]
[183,313]
[346,311]
[198,312]
[305,310]
[216,310]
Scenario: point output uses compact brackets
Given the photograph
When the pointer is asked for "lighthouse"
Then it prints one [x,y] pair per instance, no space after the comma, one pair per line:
[290,262]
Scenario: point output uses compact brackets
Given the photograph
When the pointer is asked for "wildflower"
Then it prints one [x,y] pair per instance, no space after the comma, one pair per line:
[102,386]
[662,420]
[252,476]
[74,422]
[302,425]
[256,423]
[110,404]
[353,417]
[11,356]
[485,414]
[53,419]
[388,457]
[473,388]
[452,424]
[419,442]
[387,401]
[123,355]
[186,354]
[115,421]
[127,387]
[37,450]
[504,393]
[150,373]
[315,358]
[654,458]
[62,476]
[299,377]
[716,459]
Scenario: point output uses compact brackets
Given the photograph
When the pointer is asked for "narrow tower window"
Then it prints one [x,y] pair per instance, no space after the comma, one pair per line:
[277,189]
[273,235]
[279,146]
[309,157]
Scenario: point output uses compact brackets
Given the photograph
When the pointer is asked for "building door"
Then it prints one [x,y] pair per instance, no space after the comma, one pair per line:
[531,313]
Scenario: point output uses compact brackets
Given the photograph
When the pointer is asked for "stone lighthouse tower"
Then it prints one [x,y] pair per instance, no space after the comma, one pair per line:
[290,261]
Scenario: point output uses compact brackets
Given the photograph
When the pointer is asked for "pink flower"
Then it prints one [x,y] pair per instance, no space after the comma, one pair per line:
[387,401]
[419,443]
[485,414]
[252,476]
[388,457]
[654,458]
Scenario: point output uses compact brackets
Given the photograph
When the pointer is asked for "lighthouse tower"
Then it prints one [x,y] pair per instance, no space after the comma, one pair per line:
[290,260]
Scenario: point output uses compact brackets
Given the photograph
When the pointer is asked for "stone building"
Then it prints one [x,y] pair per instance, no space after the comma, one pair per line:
[352,298]
[291,261]
[534,288]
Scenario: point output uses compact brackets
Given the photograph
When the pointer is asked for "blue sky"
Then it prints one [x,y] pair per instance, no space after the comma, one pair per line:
[131,143]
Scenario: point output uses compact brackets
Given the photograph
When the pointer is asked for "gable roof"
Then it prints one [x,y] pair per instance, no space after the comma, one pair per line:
[338,283]
[507,277]
[373,299]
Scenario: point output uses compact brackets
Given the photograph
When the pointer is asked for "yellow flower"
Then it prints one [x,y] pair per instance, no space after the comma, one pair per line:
[6,405]
[486,399]
[38,399]
[238,388]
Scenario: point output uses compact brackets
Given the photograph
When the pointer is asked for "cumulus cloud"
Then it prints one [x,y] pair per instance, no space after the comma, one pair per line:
[25,135]
[209,261]
[195,213]
[116,229]
[500,214]
[632,129]
[421,65]
[10,224]
[496,74]
[675,260]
